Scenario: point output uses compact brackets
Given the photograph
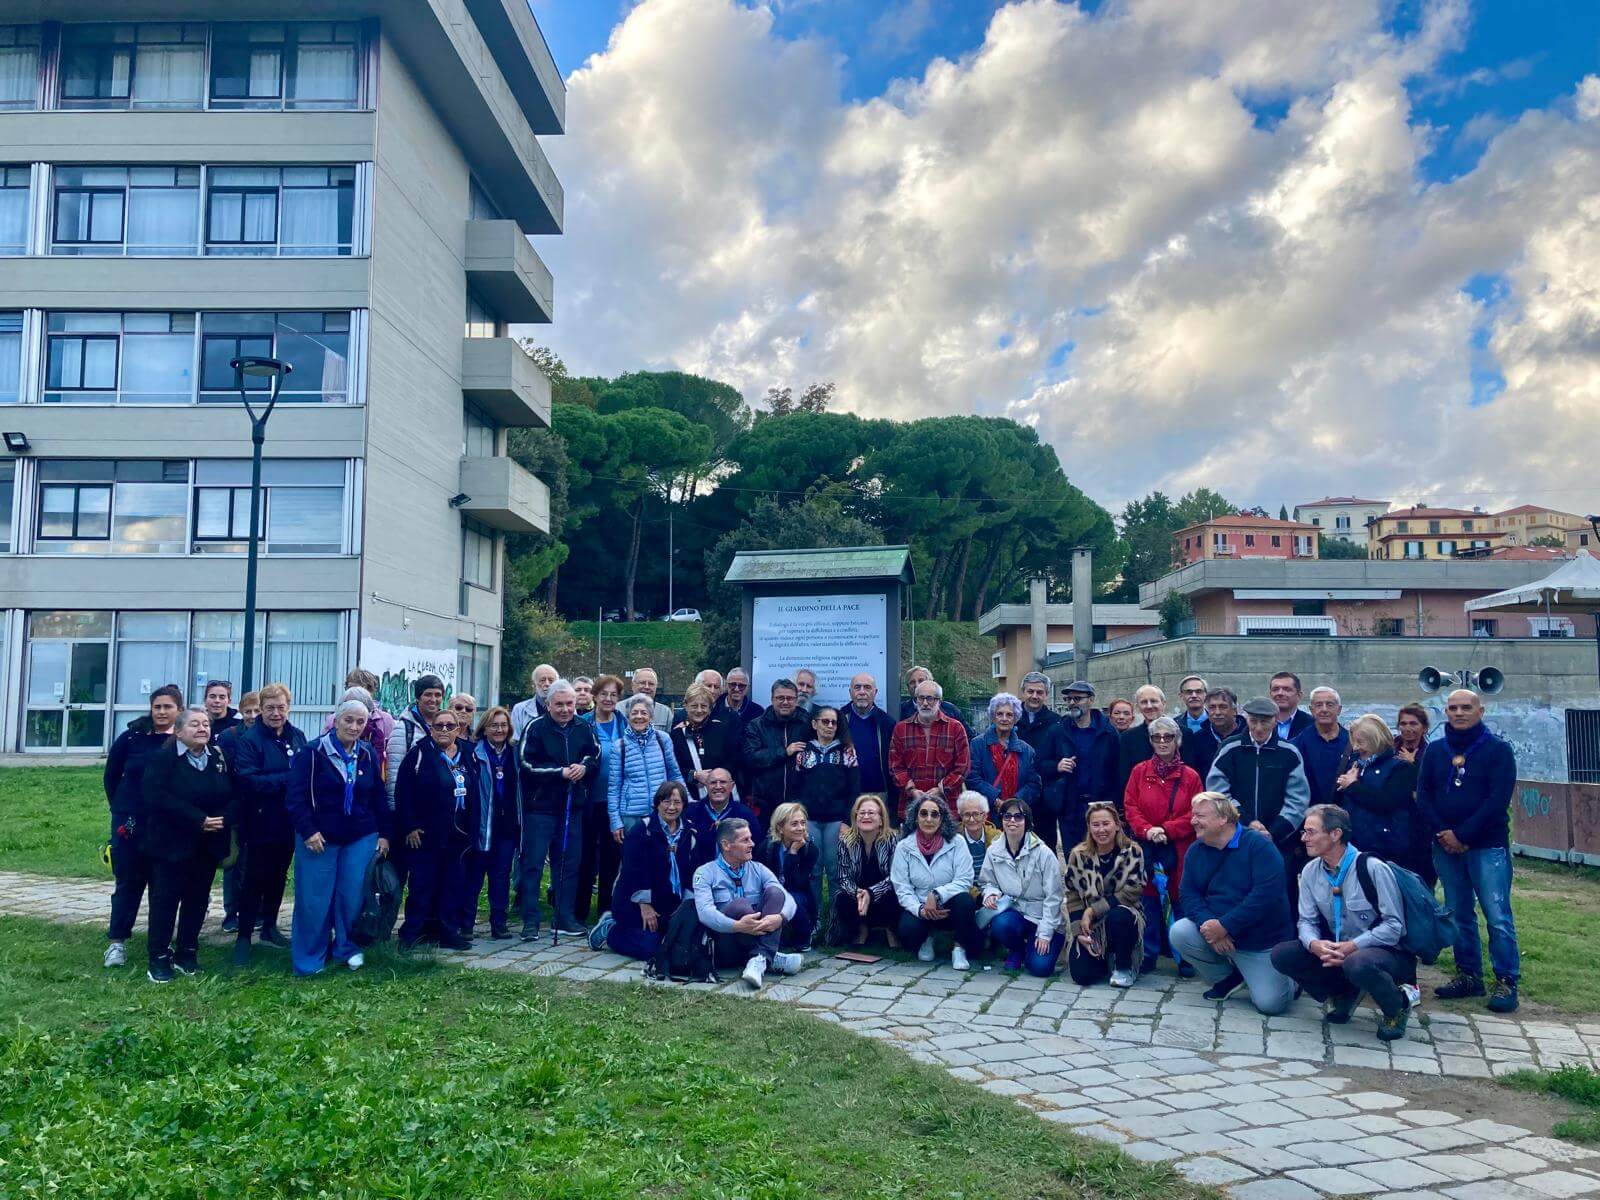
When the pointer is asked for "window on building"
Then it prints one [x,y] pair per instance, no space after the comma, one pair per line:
[1308,608]
[8,483]
[67,676]
[1390,627]
[1466,526]
[215,641]
[1413,550]
[303,509]
[303,652]
[477,559]
[276,64]
[1219,541]
[156,65]
[481,320]
[1249,539]
[1487,627]
[475,670]
[125,210]
[1342,521]
[479,438]
[266,211]
[1316,520]
[96,506]
[1583,745]
[127,358]
[1444,548]
[1583,539]
[1434,527]
[1277,541]
[479,206]
[1302,544]
[1402,526]
[19,67]
[14,190]
[996,665]
[316,345]
[151,652]
[10,357]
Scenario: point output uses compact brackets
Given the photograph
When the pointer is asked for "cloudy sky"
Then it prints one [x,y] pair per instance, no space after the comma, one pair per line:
[1279,249]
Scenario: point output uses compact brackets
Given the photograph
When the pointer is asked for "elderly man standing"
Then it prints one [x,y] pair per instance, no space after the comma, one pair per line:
[1235,907]
[1325,746]
[1077,765]
[645,683]
[771,743]
[1464,794]
[736,698]
[744,906]
[871,730]
[914,677]
[558,751]
[1151,702]
[1222,722]
[928,753]
[525,712]
[712,681]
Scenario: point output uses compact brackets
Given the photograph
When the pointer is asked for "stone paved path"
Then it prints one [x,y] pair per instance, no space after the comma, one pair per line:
[1256,1105]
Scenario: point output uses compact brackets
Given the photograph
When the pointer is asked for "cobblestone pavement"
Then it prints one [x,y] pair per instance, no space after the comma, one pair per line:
[1255,1105]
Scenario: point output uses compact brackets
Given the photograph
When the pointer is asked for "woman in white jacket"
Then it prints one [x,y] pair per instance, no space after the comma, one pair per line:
[932,877]
[1021,884]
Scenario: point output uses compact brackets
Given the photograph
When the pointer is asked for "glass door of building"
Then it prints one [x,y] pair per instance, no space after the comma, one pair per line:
[68,673]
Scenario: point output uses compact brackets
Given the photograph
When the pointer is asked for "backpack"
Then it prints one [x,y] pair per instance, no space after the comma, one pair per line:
[380,903]
[1430,926]
[687,952]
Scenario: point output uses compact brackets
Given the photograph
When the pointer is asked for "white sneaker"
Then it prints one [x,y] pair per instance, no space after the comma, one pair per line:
[958,959]
[1121,978]
[925,951]
[356,961]
[116,955]
[788,964]
[755,971]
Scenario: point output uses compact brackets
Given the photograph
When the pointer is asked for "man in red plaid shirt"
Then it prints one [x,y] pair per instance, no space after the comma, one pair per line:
[928,753]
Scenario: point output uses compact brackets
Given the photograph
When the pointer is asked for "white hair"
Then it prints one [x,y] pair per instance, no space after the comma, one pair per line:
[1001,700]
[638,698]
[1325,688]
[937,690]
[560,685]
[967,798]
[359,694]
[353,704]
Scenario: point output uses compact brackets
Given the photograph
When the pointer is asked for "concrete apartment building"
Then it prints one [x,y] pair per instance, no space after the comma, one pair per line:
[1011,625]
[1342,517]
[343,184]
[1422,533]
[1244,537]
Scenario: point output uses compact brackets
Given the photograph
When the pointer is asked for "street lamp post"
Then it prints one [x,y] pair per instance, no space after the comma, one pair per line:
[273,370]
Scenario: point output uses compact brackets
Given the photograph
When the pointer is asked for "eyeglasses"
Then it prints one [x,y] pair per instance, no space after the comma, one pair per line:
[826,721]
[445,727]
[1163,737]
[927,699]
[1012,816]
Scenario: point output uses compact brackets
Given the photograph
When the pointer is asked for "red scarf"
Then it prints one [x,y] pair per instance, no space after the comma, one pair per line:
[1165,769]
[929,846]
[1005,770]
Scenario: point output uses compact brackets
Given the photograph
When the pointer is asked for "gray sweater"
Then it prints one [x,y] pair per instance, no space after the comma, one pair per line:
[1360,922]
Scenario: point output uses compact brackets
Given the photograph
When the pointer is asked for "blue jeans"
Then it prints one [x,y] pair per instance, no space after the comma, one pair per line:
[1481,878]
[826,835]
[1017,934]
[328,892]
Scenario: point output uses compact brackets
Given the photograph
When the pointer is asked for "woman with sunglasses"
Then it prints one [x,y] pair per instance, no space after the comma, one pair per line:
[436,799]
[1156,801]
[1021,883]
[830,781]
[932,875]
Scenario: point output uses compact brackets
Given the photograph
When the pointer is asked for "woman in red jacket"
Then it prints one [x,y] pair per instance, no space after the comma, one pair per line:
[1156,802]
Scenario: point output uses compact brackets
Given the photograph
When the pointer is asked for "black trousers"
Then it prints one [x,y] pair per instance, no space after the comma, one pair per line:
[1121,932]
[848,922]
[435,882]
[131,867]
[266,870]
[599,863]
[179,894]
[1376,970]
[962,922]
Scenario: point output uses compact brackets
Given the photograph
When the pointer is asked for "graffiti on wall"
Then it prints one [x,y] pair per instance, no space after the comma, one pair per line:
[397,667]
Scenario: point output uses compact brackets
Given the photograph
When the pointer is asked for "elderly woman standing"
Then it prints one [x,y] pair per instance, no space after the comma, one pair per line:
[1021,884]
[1105,877]
[1377,792]
[703,741]
[1156,802]
[932,875]
[1411,725]
[188,803]
[865,899]
[263,757]
[1002,763]
[124,784]
[341,819]
[644,761]
[499,832]
[436,811]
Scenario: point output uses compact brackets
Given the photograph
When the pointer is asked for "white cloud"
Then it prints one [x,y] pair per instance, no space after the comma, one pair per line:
[1273,312]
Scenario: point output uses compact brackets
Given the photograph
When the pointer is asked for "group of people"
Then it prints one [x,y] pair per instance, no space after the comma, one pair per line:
[1219,835]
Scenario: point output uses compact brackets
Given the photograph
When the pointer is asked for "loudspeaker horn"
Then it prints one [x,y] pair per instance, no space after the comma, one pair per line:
[1491,680]
[1431,679]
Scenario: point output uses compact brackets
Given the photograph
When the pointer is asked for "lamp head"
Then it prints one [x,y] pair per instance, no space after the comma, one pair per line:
[17,443]
[261,368]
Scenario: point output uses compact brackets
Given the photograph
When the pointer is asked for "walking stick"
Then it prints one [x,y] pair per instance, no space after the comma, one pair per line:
[566,829]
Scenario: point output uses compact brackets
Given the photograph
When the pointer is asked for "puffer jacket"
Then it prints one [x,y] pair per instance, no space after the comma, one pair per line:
[982,772]
[1379,803]
[949,874]
[642,764]
[1030,880]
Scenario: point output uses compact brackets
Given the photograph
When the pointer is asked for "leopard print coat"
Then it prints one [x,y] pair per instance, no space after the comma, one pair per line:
[1084,892]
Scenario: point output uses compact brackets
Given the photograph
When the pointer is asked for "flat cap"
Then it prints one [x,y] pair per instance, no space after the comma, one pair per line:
[1079,685]
[1260,707]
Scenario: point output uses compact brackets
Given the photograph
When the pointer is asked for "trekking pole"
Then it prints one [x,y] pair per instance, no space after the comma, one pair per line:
[561,870]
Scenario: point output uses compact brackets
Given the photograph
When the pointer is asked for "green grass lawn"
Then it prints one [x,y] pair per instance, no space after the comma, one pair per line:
[417,1079]
[53,820]
[1573,1083]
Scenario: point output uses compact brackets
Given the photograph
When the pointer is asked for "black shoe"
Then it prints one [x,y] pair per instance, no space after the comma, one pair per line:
[186,964]
[1186,970]
[1460,988]
[241,952]
[160,971]
[1339,1011]
[500,933]
[230,924]
[270,936]
[1392,1029]
[1225,987]
[454,941]
[1504,997]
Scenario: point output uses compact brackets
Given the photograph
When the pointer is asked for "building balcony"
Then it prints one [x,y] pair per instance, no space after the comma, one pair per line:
[498,376]
[503,495]
[504,270]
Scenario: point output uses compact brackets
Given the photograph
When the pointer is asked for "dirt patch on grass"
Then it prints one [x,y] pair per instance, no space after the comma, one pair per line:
[1472,1099]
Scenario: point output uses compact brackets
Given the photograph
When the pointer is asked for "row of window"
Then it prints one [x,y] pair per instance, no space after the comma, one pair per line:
[1433,526]
[173,357]
[174,506]
[88,674]
[1444,549]
[183,65]
[181,210]
[1221,544]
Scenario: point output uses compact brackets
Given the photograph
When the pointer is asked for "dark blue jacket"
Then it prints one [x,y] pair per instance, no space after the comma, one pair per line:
[1033,729]
[982,773]
[1324,763]
[793,870]
[261,765]
[699,815]
[1379,804]
[1094,777]
[499,798]
[425,799]
[646,868]
[1241,886]
[1478,811]
[871,736]
[748,711]
[829,781]
[315,800]
[124,775]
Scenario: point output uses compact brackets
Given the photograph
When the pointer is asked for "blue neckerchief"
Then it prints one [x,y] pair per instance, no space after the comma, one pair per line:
[458,773]
[197,761]
[672,857]
[348,762]
[1336,881]
[736,878]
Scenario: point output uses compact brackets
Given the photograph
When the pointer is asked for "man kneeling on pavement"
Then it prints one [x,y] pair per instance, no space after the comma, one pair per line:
[744,906]
[1347,943]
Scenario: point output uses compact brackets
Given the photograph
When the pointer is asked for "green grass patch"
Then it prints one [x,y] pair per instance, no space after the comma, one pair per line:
[414,1079]
[1579,1085]
[53,820]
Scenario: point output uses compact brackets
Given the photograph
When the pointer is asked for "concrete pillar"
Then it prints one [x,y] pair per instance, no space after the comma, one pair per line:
[1082,610]
[1038,627]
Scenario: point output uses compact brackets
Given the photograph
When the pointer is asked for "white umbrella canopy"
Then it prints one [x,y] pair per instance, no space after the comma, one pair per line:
[1572,588]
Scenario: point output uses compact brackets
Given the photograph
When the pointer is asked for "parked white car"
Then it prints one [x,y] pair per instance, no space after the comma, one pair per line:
[685,614]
